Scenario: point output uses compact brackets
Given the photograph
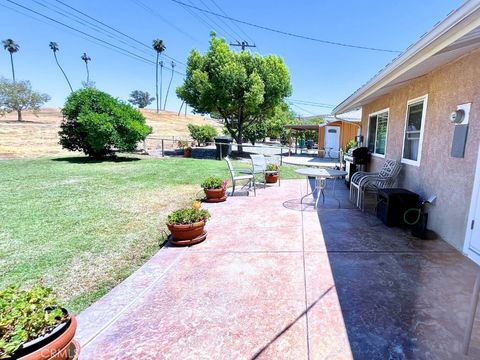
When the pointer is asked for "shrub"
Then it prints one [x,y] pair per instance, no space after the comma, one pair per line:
[213,182]
[202,134]
[26,315]
[187,216]
[352,143]
[184,144]
[97,124]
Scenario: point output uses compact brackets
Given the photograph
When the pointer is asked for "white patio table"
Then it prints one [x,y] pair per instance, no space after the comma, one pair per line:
[321,176]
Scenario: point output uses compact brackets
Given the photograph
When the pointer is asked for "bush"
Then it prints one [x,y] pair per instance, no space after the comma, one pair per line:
[24,316]
[352,143]
[97,124]
[213,182]
[273,167]
[187,216]
[202,134]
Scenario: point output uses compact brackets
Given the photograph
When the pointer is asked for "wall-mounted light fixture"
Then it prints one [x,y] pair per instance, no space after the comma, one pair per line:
[459,118]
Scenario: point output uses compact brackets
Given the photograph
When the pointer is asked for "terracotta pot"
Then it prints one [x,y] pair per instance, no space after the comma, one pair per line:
[60,346]
[271,178]
[186,232]
[214,193]
[187,153]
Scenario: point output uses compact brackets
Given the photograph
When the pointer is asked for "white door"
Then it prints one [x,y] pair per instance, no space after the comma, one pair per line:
[332,137]
[471,247]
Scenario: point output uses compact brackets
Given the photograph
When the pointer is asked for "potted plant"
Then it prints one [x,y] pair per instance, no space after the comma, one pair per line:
[271,176]
[187,149]
[215,188]
[187,225]
[34,326]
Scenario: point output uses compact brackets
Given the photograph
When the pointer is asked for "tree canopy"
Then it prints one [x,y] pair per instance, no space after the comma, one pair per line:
[241,88]
[18,96]
[140,98]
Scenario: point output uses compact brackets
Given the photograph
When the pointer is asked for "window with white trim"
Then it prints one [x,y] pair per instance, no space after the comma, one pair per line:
[377,132]
[413,136]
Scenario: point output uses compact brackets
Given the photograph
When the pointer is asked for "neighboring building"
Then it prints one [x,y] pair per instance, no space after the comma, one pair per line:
[407,111]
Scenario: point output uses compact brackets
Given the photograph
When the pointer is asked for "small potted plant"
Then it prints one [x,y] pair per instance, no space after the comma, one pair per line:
[187,225]
[185,146]
[215,189]
[34,326]
[271,176]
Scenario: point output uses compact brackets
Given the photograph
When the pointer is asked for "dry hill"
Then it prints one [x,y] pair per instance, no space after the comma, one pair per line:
[38,135]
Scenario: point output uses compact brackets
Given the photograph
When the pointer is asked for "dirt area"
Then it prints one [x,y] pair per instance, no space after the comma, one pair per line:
[38,135]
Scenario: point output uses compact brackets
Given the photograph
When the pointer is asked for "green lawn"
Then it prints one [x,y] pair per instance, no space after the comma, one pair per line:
[83,226]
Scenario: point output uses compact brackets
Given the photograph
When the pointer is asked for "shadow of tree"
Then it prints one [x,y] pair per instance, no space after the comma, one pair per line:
[87,160]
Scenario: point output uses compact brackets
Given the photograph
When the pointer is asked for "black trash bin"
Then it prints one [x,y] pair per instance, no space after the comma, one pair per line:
[393,203]
[224,146]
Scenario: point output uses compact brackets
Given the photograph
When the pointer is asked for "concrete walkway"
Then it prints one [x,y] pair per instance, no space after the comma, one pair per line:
[274,282]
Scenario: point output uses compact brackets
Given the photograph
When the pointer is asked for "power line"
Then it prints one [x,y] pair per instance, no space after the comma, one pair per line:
[116,31]
[234,23]
[104,42]
[311,103]
[302,109]
[286,32]
[155,13]
[229,32]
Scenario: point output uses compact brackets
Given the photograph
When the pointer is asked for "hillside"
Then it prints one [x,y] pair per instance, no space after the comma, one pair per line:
[38,135]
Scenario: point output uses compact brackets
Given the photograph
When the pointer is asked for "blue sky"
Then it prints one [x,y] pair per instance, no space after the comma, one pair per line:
[320,73]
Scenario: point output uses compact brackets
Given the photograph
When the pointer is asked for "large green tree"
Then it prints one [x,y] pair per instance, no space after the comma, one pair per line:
[241,88]
[18,96]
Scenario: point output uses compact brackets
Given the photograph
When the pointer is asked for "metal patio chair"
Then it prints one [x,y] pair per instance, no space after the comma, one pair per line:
[259,166]
[250,177]
[363,183]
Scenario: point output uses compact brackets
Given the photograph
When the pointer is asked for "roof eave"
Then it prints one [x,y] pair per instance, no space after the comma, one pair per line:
[444,33]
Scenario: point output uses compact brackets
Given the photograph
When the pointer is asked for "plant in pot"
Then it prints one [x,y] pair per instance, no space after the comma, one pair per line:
[215,188]
[34,326]
[187,225]
[271,176]
[185,146]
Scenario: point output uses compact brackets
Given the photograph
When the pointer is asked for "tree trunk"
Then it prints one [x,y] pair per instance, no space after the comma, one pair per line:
[161,83]
[88,73]
[19,115]
[168,90]
[13,68]
[239,137]
[156,82]
[63,72]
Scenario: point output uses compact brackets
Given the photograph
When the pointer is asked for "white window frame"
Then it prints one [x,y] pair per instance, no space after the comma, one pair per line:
[423,98]
[387,110]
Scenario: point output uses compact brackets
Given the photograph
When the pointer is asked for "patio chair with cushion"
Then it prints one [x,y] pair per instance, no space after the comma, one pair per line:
[363,183]
[250,177]
[259,166]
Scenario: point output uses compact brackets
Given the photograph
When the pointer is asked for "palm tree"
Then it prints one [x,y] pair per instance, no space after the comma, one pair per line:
[12,47]
[159,47]
[87,58]
[161,81]
[169,83]
[54,47]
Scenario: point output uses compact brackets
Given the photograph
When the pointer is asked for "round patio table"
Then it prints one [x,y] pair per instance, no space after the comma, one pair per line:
[321,176]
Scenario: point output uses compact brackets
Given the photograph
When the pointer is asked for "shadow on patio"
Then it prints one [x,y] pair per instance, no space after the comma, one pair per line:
[401,297]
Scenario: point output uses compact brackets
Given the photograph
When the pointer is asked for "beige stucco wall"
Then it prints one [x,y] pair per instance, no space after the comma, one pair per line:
[451,179]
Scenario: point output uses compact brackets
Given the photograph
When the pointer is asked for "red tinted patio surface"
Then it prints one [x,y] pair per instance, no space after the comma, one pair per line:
[276,280]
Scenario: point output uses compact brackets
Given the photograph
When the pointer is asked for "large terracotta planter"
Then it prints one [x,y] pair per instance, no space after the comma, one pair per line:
[57,345]
[271,178]
[183,235]
[215,195]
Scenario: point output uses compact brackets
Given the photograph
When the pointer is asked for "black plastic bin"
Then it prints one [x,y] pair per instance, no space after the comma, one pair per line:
[393,203]
[224,146]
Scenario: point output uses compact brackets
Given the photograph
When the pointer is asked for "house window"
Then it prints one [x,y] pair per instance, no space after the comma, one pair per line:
[377,132]
[414,124]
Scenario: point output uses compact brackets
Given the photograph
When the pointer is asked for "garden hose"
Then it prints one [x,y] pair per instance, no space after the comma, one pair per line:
[419,215]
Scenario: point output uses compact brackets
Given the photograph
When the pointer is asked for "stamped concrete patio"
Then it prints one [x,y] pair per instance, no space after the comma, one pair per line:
[275,280]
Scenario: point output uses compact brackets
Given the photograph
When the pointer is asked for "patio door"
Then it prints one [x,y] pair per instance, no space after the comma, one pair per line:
[471,247]
[332,137]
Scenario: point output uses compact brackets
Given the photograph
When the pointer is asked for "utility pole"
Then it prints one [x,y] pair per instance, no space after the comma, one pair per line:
[243,45]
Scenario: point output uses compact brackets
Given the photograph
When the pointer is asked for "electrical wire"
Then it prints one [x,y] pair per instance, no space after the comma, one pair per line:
[304,37]
[229,32]
[234,23]
[302,109]
[136,41]
[102,41]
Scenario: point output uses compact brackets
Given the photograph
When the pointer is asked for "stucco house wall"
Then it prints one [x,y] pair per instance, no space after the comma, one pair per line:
[451,179]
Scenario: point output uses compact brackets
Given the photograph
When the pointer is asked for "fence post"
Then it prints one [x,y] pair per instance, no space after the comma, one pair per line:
[281,155]
[220,147]
[163,149]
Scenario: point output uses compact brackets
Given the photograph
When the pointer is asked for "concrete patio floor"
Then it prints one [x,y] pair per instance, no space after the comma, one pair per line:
[275,280]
